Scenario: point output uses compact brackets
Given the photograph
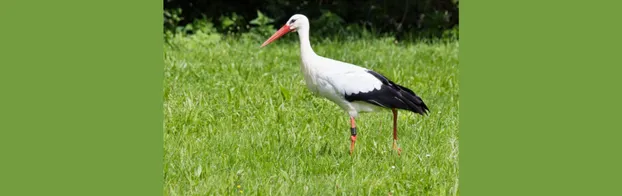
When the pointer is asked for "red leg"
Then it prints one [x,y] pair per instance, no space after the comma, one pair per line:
[353,132]
[399,150]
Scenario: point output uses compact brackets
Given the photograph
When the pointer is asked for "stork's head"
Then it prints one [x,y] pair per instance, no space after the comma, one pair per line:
[295,23]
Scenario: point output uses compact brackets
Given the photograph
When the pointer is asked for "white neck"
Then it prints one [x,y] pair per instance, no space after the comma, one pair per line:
[305,45]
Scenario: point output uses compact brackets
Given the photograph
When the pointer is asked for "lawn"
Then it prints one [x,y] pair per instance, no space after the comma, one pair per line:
[239,120]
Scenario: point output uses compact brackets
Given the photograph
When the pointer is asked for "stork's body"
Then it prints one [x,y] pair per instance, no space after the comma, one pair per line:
[334,80]
[353,88]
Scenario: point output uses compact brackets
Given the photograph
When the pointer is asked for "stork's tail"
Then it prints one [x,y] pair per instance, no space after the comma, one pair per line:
[414,102]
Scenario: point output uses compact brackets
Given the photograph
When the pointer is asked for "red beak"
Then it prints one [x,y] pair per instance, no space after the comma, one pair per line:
[284,30]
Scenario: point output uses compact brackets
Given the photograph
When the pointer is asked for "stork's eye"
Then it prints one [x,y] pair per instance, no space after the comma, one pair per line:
[292,21]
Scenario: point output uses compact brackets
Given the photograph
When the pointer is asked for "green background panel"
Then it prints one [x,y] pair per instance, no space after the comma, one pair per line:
[540,96]
[81,104]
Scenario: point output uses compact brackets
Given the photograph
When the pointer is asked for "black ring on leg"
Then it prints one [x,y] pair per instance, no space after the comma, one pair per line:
[353,131]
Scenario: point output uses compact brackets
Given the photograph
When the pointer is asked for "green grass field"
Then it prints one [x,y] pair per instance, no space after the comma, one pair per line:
[239,120]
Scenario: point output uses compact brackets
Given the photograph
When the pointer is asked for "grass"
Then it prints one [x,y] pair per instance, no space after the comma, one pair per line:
[239,120]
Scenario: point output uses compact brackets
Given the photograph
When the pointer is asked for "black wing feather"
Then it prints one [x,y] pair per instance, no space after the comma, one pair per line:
[391,95]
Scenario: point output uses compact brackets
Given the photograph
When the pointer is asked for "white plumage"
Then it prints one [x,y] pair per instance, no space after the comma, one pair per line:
[333,79]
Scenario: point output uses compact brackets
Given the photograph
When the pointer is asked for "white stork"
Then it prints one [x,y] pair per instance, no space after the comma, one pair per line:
[355,89]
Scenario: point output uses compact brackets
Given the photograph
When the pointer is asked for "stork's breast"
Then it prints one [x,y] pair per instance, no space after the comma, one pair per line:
[311,83]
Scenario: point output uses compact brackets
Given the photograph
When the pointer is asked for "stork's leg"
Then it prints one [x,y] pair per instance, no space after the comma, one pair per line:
[353,132]
[399,150]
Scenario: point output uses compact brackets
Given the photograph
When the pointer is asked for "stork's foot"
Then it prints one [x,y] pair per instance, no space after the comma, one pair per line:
[353,139]
[398,149]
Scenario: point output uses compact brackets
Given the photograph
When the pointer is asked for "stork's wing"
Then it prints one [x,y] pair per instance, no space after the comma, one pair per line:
[354,82]
[372,87]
